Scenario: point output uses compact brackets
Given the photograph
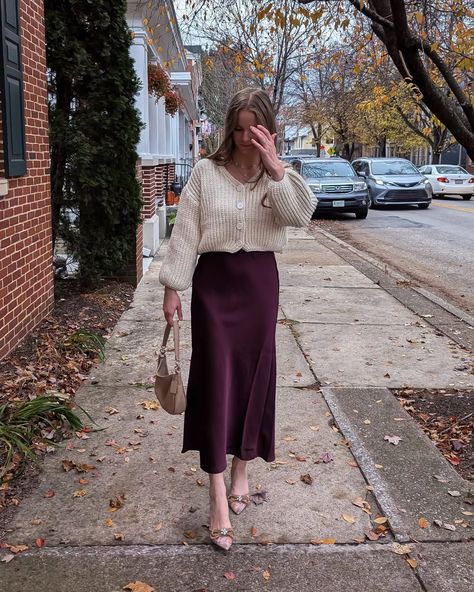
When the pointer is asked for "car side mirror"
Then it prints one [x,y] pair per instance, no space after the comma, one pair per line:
[362,173]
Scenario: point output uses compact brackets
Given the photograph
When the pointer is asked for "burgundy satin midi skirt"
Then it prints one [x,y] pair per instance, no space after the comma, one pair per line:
[232,378]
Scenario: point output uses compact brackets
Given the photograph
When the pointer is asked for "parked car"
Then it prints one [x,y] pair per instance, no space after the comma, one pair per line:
[393,181]
[335,185]
[449,179]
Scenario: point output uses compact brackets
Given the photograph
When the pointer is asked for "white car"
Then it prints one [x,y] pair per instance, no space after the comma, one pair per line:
[449,179]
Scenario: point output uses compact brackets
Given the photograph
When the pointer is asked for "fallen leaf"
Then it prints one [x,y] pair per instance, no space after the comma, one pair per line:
[138,587]
[367,421]
[392,439]
[39,543]
[117,502]
[109,522]
[200,482]
[306,479]
[359,539]
[348,518]
[259,497]
[18,548]
[79,493]
[291,481]
[327,541]
[83,481]
[253,531]
[454,492]
[449,526]
[158,526]
[423,522]
[266,575]
[300,458]
[229,575]
[467,513]
[325,458]
[150,405]
[373,536]
[119,536]
[49,493]
[401,549]
[378,466]
[412,563]
[441,479]
[36,521]
[8,558]
[189,534]
[380,520]
[68,465]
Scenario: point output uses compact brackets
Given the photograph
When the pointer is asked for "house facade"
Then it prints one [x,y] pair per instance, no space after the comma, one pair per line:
[169,144]
[26,270]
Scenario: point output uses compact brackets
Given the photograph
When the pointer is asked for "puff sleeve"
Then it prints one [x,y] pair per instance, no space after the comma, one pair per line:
[291,199]
[180,259]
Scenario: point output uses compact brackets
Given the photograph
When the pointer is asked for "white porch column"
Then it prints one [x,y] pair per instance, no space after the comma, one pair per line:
[153,127]
[138,51]
[161,133]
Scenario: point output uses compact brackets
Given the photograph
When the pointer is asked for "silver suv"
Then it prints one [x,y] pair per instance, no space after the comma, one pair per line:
[393,181]
[335,185]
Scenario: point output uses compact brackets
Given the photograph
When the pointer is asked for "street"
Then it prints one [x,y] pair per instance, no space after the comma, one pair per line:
[434,247]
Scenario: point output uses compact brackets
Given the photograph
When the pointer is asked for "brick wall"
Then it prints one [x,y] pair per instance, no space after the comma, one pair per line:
[26,274]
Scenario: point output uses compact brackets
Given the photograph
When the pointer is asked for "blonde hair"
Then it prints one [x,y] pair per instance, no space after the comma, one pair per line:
[258,102]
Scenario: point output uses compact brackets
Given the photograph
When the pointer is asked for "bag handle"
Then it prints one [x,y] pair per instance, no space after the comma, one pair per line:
[176,343]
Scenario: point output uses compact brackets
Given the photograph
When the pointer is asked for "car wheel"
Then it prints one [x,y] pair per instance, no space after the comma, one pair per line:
[362,214]
[467,197]
[372,204]
[424,206]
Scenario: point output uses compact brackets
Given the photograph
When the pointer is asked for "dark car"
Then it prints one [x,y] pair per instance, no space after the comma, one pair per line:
[393,181]
[335,185]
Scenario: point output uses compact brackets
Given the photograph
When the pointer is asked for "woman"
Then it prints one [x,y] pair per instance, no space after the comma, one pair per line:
[233,213]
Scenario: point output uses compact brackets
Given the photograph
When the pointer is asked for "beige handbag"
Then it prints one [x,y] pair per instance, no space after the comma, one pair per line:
[169,388]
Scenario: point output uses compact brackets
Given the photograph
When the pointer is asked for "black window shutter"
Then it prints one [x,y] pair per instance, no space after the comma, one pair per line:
[12,91]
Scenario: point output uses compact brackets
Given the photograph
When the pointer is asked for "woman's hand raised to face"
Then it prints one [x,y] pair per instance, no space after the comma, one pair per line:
[265,144]
[172,304]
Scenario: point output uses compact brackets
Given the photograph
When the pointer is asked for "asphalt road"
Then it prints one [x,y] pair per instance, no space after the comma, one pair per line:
[434,247]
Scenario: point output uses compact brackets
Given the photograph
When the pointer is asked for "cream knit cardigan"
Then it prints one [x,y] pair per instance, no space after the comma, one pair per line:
[218,213]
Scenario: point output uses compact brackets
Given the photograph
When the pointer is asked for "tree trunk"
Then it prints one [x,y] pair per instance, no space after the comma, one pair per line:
[59,151]
[382,144]
[404,49]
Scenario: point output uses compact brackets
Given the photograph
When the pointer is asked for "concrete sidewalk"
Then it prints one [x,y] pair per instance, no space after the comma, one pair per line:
[342,340]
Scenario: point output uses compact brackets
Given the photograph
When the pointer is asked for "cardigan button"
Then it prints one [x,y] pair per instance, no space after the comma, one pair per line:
[240,205]
[239,225]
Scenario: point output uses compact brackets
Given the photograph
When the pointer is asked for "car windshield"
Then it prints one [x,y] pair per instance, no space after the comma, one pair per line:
[393,167]
[451,170]
[315,170]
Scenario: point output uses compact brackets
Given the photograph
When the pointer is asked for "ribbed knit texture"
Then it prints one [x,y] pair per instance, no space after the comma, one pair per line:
[218,213]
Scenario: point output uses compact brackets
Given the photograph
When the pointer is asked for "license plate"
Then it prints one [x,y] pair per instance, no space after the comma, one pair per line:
[458,181]
[340,203]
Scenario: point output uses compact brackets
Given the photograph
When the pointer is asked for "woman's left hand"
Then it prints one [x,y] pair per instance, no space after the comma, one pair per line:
[265,144]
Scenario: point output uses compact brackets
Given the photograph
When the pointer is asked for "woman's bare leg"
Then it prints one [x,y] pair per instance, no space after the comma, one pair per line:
[219,510]
[239,482]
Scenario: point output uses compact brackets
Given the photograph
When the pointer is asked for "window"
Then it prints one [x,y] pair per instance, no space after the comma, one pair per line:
[393,167]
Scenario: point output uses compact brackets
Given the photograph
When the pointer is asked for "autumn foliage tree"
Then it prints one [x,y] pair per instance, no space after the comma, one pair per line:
[431,44]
